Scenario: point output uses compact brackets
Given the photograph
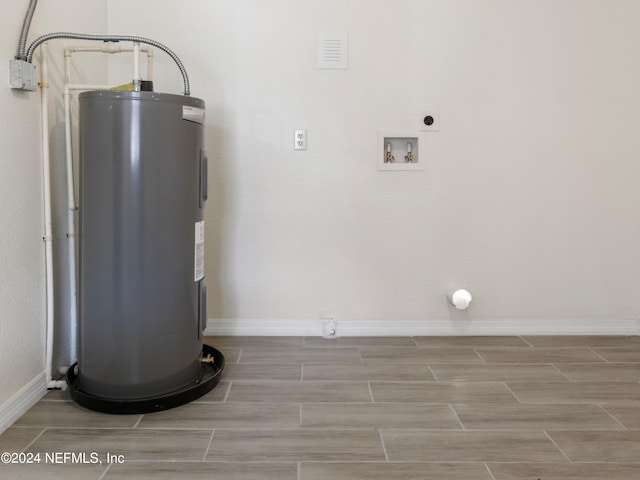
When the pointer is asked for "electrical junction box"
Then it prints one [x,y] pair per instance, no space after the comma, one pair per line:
[401,150]
[23,75]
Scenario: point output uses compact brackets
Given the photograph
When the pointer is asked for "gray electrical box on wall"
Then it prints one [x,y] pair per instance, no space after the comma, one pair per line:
[23,75]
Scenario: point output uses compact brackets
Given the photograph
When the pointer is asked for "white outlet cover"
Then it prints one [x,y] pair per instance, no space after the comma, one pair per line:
[434,127]
[300,139]
[329,327]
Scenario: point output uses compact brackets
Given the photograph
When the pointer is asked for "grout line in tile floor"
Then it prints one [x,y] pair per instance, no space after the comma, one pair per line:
[435,377]
[511,392]
[138,422]
[35,439]
[147,429]
[525,341]
[224,400]
[347,429]
[380,462]
[106,470]
[373,400]
[457,417]
[596,353]
[556,445]
[206,451]
[384,447]
[475,350]
[560,372]
[486,465]
[602,407]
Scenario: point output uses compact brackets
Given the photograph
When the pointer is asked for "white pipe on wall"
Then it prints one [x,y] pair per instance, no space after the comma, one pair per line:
[114,48]
[73,287]
[71,221]
[48,230]
[149,52]
[136,67]
[67,138]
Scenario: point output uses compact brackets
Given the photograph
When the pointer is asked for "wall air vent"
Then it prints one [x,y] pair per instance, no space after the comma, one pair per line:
[332,50]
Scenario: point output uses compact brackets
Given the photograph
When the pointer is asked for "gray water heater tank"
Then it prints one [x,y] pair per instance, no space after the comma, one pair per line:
[142,293]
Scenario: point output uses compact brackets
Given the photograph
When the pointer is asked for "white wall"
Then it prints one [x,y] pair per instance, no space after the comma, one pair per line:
[22,289]
[21,283]
[530,194]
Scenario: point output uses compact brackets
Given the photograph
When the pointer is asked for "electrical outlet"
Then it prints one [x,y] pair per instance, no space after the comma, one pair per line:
[429,121]
[300,140]
[329,327]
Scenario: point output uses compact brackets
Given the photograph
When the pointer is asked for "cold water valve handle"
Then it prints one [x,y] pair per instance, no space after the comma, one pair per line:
[389,158]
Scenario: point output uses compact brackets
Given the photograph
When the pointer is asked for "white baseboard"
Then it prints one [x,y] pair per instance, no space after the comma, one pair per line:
[21,401]
[395,328]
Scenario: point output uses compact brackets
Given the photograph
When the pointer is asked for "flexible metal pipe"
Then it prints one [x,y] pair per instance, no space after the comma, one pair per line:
[112,38]
[22,43]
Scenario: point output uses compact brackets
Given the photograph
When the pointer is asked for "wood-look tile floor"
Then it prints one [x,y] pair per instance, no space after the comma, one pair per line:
[293,408]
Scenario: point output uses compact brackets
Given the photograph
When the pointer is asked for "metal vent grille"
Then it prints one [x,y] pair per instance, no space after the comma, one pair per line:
[332,50]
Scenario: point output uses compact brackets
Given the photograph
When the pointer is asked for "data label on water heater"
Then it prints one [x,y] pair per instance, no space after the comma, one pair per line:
[193,114]
[199,252]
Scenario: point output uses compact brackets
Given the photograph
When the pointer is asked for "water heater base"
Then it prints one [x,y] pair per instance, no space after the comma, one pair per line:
[208,378]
